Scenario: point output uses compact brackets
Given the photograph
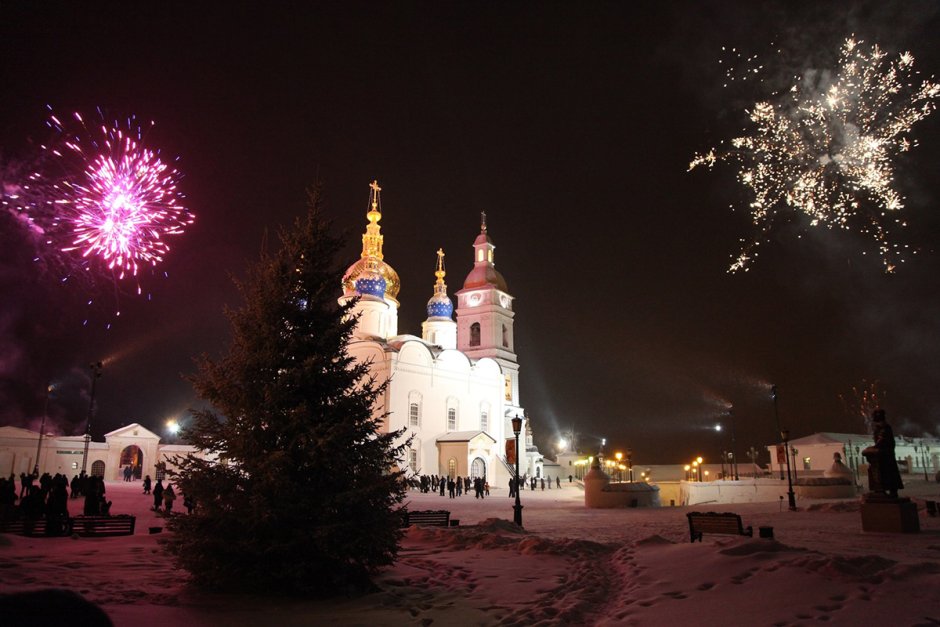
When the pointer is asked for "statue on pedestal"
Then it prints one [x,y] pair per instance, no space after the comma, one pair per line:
[884,478]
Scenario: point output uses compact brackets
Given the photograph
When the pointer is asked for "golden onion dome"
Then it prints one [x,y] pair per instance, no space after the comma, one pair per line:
[371,260]
[392,282]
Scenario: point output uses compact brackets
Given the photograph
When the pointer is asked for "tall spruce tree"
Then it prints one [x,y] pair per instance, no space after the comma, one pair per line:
[301,497]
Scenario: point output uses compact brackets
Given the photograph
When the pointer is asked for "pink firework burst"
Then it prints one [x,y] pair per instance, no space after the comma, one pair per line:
[118,199]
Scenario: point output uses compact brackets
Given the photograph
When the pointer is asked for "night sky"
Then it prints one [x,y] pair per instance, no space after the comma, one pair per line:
[570,124]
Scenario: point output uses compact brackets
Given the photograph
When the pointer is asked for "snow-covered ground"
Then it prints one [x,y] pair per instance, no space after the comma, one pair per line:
[571,566]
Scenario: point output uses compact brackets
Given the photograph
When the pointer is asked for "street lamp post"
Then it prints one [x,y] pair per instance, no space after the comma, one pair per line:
[773,392]
[630,463]
[42,429]
[95,375]
[517,508]
[785,435]
[734,450]
[926,450]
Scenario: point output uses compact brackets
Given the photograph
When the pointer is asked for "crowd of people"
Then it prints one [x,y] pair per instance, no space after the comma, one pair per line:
[453,486]
[460,486]
[47,497]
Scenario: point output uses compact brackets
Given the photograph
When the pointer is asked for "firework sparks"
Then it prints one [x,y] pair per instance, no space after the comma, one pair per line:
[826,148]
[100,203]
[123,202]
[96,206]
[864,399]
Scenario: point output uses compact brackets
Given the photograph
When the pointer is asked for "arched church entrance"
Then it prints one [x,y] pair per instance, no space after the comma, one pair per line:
[97,469]
[478,468]
[132,457]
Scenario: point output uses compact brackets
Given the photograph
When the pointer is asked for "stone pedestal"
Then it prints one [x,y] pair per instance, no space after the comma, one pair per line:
[889,515]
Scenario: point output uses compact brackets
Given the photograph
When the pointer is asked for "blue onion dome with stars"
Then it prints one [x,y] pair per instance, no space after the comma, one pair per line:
[440,306]
[371,284]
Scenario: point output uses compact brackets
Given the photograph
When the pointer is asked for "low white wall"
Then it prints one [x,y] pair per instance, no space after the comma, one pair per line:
[600,493]
[755,491]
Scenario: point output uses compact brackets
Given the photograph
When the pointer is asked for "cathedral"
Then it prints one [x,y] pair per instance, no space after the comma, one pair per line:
[455,389]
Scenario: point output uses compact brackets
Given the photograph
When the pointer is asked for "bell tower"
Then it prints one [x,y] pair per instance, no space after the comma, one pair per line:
[485,315]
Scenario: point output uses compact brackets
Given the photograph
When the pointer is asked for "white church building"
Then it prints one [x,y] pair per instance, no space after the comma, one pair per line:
[455,389]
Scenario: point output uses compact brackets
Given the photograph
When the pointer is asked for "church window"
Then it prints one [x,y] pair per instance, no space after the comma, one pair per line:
[505,336]
[452,468]
[484,421]
[508,391]
[413,460]
[414,408]
[452,419]
[489,255]
[480,255]
[475,334]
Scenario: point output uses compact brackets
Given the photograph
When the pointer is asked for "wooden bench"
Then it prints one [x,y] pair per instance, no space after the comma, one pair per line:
[431,517]
[32,528]
[103,526]
[714,522]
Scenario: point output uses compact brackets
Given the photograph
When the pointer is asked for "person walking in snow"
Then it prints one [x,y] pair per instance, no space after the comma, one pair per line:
[168,497]
[157,495]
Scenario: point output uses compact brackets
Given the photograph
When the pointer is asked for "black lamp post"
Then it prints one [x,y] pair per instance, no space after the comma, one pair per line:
[926,450]
[42,429]
[785,435]
[734,449]
[95,375]
[773,393]
[517,508]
